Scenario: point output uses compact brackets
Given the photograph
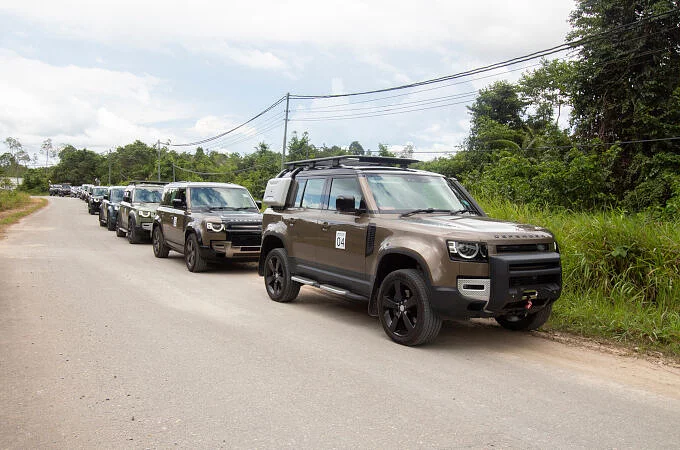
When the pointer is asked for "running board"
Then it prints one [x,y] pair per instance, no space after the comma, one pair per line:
[328,288]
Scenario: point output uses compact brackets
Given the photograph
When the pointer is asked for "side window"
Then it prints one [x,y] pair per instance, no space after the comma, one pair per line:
[298,194]
[345,187]
[168,196]
[313,193]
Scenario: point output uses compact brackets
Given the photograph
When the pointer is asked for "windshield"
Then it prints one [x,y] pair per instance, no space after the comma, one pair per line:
[148,195]
[116,195]
[403,193]
[99,191]
[221,197]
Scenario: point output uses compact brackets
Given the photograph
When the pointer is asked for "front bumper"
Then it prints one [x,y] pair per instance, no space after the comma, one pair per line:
[516,283]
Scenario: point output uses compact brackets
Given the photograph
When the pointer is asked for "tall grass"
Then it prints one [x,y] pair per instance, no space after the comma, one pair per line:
[621,273]
[13,199]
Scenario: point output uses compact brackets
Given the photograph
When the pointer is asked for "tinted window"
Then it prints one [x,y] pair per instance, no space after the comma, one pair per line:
[147,195]
[345,187]
[313,193]
[116,195]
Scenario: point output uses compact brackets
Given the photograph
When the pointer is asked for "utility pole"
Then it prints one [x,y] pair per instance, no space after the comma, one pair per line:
[159,159]
[285,132]
[109,158]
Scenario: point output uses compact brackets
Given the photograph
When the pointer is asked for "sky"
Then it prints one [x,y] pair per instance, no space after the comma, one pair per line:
[101,74]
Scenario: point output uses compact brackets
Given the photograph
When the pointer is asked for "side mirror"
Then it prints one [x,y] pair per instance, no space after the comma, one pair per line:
[177,203]
[345,204]
[106,196]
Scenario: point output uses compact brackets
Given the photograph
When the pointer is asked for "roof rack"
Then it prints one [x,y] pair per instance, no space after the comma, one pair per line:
[136,182]
[358,160]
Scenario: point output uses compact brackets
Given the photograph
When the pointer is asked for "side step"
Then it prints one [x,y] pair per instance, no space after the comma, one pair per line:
[328,288]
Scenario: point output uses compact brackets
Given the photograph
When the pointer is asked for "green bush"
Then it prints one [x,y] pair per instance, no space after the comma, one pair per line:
[13,199]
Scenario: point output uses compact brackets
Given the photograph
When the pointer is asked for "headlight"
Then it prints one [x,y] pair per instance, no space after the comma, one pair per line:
[97,200]
[215,227]
[144,213]
[468,251]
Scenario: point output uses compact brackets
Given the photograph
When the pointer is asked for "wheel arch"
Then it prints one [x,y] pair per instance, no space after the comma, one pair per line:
[269,242]
[390,261]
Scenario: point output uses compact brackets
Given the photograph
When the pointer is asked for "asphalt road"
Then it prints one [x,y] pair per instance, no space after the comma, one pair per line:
[104,346]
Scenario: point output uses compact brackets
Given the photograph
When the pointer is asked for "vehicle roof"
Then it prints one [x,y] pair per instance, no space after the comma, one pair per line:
[202,184]
[117,187]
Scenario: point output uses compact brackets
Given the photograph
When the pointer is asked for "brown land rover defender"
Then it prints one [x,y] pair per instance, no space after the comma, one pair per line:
[413,244]
[207,222]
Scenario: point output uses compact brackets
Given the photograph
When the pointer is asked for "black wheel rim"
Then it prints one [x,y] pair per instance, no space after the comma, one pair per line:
[274,276]
[400,308]
[191,257]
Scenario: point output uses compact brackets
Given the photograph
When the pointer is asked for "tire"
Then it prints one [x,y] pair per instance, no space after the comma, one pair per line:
[160,248]
[119,232]
[101,222]
[527,323]
[132,234]
[404,308]
[192,255]
[280,287]
[89,209]
[110,225]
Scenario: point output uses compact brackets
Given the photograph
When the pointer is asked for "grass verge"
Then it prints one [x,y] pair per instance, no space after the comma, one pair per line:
[621,274]
[15,205]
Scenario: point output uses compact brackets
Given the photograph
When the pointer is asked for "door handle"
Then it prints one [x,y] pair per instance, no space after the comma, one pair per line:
[325,226]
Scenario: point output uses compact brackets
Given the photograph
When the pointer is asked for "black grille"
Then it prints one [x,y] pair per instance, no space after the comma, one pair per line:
[516,248]
[245,240]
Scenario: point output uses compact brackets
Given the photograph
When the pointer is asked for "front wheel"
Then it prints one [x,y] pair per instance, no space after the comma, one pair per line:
[133,234]
[119,232]
[280,287]
[110,224]
[102,222]
[192,255]
[160,248]
[527,322]
[404,307]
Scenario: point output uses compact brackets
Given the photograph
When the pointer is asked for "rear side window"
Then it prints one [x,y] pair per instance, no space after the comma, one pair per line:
[298,194]
[313,193]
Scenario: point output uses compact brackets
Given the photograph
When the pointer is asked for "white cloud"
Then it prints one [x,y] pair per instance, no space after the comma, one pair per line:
[73,104]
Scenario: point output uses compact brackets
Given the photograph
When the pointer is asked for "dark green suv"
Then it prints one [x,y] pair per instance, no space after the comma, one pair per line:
[207,222]
[137,209]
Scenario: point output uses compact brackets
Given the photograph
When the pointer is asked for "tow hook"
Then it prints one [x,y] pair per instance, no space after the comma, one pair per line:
[528,305]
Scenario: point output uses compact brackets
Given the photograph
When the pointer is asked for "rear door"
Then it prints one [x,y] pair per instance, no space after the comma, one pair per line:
[302,223]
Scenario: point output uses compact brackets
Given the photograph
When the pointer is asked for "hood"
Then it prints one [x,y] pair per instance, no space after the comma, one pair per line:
[495,228]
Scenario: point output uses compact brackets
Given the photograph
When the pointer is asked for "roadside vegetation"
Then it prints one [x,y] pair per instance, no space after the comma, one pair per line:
[621,273]
[14,205]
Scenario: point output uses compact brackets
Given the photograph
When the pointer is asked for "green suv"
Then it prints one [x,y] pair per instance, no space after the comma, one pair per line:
[137,209]
[413,244]
[207,222]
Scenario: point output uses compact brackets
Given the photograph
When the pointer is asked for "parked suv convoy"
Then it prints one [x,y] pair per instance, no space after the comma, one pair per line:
[413,244]
[108,211]
[207,222]
[137,210]
[94,201]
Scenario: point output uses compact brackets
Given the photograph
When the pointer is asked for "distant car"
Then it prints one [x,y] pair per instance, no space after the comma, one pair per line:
[137,209]
[95,199]
[55,189]
[108,211]
[84,191]
[207,222]
[65,190]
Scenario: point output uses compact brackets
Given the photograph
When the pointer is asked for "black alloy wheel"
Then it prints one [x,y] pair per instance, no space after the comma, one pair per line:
[192,256]
[404,307]
[110,224]
[280,287]
[133,236]
[119,232]
[160,249]
[102,222]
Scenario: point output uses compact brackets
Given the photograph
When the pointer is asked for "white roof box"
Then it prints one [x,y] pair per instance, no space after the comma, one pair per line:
[276,192]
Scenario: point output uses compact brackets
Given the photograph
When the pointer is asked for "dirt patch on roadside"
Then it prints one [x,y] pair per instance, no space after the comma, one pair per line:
[12,216]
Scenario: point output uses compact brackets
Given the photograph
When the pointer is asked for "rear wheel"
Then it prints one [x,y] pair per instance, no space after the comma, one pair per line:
[527,322]
[160,248]
[280,287]
[192,255]
[404,307]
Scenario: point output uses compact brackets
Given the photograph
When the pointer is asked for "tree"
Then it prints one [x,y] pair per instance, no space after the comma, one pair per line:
[18,156]
[383,150]
[627,88]
[48,150]
[355,148]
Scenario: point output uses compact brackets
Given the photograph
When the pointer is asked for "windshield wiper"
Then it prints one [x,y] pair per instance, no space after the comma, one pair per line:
[425,210]
[465,210]
[215,208]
